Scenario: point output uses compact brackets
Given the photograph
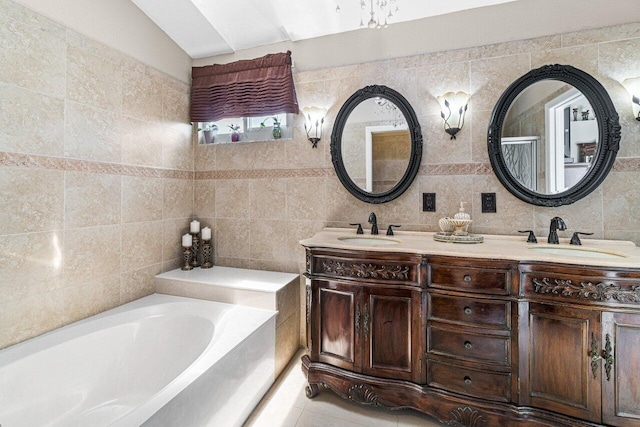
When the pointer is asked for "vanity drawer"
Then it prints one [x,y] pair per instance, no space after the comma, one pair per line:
[579,283]
[479,280]
[494,386]
[403,270]
[485,348]
[470,311]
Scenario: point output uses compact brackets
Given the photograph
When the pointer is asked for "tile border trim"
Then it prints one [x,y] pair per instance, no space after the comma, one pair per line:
[31,161]
[424,170]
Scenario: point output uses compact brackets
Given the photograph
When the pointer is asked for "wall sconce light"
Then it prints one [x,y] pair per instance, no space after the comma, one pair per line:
[633,87]
[314,119]
[453,107]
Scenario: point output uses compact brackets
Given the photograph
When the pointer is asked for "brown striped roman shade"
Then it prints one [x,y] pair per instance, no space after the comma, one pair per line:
[248,88]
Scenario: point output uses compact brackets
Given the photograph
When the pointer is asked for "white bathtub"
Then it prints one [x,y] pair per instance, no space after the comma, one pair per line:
[158,361]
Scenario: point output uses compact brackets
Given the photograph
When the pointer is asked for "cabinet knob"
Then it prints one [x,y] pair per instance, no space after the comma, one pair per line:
[467,380]
[466,278]
[467,310]
[467,345]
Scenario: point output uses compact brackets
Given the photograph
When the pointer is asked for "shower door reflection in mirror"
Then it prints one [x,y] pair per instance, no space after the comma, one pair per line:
[550,136]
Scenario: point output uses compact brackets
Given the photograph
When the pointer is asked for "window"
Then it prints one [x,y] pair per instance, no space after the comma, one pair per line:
[248,128]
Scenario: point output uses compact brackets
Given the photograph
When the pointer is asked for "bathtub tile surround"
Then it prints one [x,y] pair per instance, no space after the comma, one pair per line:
[96,175]
[267,290]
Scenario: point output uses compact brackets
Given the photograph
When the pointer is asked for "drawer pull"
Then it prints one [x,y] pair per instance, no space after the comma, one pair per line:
[466,278]
[467,380]
[467,345]
[467,310]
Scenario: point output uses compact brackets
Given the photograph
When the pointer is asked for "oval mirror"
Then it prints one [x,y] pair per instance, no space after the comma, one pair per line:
[553,136]
[376,144]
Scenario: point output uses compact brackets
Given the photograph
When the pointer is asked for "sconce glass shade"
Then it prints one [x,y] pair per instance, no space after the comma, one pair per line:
[453,107]
[633,87]
[314,119]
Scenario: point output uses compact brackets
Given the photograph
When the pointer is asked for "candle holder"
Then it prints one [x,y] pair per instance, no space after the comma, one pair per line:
[194,249]
[186,253]
[206,254]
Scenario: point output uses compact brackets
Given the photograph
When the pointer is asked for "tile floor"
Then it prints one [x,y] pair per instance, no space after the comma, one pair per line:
[285,405]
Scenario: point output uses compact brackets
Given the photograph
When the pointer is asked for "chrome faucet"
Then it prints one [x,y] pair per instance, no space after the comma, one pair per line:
[374,223]
[556,224]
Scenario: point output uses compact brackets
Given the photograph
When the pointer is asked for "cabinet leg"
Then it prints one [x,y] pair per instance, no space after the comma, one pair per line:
[311,390]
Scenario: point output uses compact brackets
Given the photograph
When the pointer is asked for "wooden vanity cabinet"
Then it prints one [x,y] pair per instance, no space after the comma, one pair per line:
[366,317]
[337,338]
[368,329]
[469,325]
[621,390]
[556,373]
[580,343]
[475,342]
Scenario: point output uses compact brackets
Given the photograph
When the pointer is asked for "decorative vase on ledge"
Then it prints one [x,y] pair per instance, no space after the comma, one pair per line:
[277,131]
[208,136]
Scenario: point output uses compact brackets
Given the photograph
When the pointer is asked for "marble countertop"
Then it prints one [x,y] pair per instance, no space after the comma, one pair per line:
[513,248]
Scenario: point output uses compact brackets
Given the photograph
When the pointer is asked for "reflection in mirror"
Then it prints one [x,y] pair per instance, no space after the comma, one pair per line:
[553,136]
[376,145]
[549,137]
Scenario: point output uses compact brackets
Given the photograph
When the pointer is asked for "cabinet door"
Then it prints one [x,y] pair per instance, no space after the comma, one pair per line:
[336,322]
[621,364]
[391,333]
[555,365]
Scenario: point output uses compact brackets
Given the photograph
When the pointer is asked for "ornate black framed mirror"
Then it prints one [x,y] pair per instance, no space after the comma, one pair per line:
[553,136]
[376,144]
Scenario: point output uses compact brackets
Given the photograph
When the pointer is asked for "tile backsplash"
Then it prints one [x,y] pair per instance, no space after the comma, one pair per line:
[96,175]
[99,176]
[274,193]
[264,197]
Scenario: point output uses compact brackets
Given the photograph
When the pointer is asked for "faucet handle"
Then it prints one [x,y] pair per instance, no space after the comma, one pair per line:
[390,229]
[531,238]
[359,230]
[575,239]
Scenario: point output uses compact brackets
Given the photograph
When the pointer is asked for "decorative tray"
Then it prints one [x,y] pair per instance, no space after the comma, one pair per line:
[451,238]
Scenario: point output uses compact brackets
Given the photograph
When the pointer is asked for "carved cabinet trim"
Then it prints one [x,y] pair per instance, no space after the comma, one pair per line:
[375,268]
[600,291]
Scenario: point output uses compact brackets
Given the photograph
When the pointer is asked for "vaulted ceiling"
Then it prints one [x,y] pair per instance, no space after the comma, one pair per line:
[205,28]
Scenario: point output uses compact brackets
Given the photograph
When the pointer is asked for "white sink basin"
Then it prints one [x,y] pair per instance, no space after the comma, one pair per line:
[369,241]
[578,252]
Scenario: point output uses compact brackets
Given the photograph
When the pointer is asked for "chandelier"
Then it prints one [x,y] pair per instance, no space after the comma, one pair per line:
[387,109]
[378,13]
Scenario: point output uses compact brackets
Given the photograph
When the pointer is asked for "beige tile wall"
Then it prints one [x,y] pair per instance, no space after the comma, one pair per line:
[96,165]
[96,175]
[258,219]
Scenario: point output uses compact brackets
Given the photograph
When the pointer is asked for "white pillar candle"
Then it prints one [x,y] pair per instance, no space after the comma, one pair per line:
[195,226]
[187,240]
[206,233]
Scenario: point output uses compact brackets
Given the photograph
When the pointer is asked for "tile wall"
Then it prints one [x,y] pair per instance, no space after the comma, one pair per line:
[97,165]
[96,175]
[262,198]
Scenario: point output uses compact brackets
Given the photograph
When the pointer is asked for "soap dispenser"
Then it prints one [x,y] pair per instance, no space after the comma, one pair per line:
[461,214]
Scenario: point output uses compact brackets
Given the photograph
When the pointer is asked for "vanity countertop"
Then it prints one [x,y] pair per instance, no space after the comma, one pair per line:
[593,252]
